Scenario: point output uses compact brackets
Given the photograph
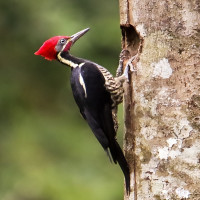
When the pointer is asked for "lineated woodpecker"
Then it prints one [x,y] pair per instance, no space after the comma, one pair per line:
[96,92]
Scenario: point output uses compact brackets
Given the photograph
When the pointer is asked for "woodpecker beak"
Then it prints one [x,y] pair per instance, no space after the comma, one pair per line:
[76,36]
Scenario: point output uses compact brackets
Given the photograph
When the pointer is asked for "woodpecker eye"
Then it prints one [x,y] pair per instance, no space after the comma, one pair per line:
[62,41]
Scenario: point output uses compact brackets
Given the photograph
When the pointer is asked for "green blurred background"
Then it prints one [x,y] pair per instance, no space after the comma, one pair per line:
[47,151]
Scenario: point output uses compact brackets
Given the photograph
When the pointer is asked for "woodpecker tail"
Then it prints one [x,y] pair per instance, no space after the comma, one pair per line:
[115,150]
[118,156]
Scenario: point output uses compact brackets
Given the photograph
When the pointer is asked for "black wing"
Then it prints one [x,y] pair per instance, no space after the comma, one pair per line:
[94,102]
[92,98]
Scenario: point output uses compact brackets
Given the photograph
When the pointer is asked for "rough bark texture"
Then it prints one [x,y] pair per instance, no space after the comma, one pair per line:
[162,98]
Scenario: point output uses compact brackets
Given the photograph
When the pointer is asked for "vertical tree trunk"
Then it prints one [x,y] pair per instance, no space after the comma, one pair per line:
[162,98]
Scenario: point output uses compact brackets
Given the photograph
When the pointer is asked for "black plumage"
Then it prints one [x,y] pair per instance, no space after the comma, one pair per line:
[95,105]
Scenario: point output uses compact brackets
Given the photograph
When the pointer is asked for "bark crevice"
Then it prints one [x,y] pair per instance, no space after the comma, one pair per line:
[131,43]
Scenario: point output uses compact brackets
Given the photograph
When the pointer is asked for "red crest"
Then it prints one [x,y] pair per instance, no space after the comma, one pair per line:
[47,50]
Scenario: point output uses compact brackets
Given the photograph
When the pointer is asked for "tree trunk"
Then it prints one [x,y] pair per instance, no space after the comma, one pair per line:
[162,98]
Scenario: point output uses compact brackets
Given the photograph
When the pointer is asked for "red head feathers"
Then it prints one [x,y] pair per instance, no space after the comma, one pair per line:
[47,50]
[51,48]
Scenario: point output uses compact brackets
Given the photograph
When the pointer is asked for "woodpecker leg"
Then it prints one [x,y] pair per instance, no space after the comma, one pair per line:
[129,63]
[122,56]
[126,70]
[129,67]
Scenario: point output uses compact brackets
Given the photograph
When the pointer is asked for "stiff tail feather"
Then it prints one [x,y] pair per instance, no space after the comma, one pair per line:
[117,155]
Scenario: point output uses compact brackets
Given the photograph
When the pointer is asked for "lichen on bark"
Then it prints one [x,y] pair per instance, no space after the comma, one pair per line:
[162,98]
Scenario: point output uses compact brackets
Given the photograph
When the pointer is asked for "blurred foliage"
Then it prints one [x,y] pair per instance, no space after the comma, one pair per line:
[47,151]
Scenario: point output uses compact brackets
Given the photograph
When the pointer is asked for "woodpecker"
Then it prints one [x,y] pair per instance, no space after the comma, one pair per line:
[96,92]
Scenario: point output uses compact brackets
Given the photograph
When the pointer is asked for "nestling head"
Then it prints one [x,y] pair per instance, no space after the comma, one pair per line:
[51,47]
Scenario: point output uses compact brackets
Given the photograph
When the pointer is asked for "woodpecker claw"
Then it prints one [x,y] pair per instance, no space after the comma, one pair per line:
[129,63]
[123,76]
[126,70]
[122,56]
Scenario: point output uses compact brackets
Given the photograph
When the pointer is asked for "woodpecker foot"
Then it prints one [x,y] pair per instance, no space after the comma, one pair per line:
[122,57]
[130,64]
[122,75]
[126,70]
[129,67]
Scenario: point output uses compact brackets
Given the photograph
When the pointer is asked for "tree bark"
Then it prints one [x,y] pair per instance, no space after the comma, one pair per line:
[162,98]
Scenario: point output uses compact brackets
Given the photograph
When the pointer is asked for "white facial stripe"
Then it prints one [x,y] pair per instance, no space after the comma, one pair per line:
[67,62]
[83,84]
[80,65]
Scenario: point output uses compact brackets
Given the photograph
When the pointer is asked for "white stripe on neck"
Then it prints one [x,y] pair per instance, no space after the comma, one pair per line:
[65,61]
